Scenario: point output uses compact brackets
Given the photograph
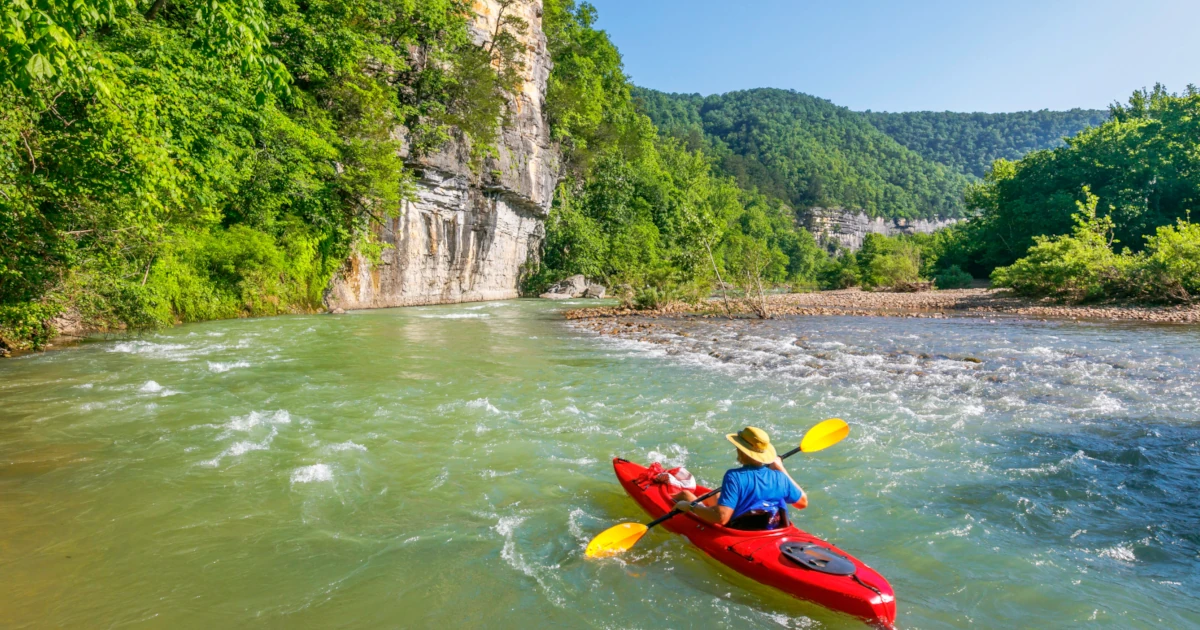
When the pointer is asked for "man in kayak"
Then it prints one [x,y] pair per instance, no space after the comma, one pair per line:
[754,496]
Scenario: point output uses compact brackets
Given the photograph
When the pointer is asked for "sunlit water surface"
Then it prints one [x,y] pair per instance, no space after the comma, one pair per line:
[445,466]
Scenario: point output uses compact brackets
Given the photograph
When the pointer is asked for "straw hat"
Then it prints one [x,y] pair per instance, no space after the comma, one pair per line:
[753,443]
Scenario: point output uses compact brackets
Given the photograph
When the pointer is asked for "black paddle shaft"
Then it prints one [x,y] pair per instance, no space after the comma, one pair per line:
[698,500]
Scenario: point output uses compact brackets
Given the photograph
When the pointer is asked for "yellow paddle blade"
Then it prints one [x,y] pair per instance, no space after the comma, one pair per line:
[615,540]
[824,435]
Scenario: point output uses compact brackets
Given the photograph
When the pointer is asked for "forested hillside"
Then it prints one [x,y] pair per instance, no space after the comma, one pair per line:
[969,143]
[808,152]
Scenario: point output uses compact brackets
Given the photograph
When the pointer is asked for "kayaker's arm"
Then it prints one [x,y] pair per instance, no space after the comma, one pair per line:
[716,514]
[803,502]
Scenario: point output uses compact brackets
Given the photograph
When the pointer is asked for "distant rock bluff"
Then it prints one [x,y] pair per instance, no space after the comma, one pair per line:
[837,228]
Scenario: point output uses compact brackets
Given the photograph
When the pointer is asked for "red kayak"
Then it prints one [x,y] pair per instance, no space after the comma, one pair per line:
[789,559]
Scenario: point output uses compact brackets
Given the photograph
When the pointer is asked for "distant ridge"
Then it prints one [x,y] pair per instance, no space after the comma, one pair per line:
[812,153]
[970,142]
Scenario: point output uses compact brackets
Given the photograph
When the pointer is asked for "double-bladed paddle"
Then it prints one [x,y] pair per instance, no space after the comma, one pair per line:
[620,538]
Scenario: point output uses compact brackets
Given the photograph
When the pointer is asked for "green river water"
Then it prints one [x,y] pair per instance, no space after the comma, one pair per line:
[445,466]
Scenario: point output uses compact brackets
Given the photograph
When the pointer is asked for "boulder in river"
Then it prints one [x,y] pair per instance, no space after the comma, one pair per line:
[574,287]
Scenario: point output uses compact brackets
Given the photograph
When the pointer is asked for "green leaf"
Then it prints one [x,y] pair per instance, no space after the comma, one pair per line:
[40,67]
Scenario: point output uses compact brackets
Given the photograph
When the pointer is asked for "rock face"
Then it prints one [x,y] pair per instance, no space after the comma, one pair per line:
[837,227]
[467,235]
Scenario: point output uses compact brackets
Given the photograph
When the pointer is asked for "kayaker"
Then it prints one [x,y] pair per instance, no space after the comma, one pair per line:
[754,496]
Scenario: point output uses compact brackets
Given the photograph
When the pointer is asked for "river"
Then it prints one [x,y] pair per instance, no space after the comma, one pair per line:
[445,466]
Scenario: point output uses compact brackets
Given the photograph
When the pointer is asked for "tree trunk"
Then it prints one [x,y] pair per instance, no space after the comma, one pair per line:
[724,290]
[154,9]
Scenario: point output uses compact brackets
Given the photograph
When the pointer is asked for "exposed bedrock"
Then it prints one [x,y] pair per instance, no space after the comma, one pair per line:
[468,233]
[838,227]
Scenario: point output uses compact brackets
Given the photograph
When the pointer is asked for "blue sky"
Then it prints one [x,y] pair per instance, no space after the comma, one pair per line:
[904,55]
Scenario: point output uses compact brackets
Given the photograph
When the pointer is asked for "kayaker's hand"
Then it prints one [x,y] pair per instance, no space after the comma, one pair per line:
[684,506]
[777,464]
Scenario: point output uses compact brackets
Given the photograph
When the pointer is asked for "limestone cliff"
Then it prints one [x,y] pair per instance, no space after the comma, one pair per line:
[837,227]
[467,234]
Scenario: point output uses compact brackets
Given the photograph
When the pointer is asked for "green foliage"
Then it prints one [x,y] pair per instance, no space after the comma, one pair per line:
[1173,261]
[237,272]
[654,297]
[46,41]
[970,142]
[54,43]
[952,277]
[637,220]
[1076,267]
[839,272]
[588,100]
[1143,164]
[26,325]
[948,247]
[889,262]
[808,152]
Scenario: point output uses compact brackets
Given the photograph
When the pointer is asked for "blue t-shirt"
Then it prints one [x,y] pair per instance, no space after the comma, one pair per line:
[761,488]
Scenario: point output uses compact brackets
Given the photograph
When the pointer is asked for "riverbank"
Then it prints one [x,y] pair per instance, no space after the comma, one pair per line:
[929,304]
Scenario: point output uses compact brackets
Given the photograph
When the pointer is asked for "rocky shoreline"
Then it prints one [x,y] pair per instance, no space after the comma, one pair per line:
[930,304]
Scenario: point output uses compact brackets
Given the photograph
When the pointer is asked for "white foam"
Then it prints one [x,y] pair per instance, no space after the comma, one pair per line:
[457,316]
[151,387]
[311,474]
[508,524]
[348,446]
[225,367]
[676,455]
[573,525]
[582,461]
[1124,553]
[146,347]
[1108,404]
[259,418]
[250,423]
[482,403]
[238,449]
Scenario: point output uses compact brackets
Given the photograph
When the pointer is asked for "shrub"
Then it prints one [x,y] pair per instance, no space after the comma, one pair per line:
[892,270]
[893,263]
[651,298]
[952,278]
[838,273]
[26,325]
[1174,250]
[1168,270]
